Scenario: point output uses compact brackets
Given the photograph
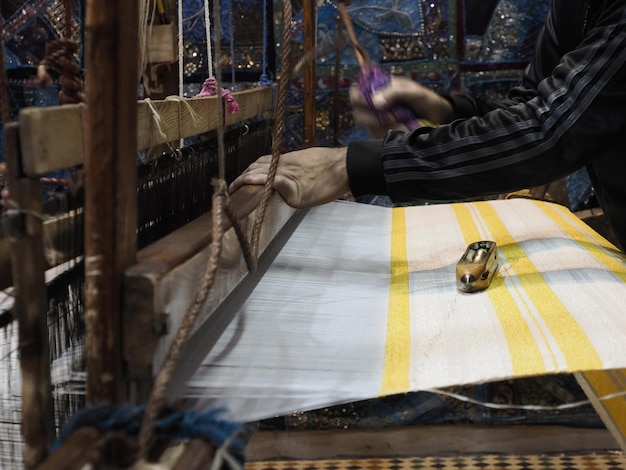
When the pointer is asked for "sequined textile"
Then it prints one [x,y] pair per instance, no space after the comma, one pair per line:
[480,45]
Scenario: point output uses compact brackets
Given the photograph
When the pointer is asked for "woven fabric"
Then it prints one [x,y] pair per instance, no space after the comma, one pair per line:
[362,302]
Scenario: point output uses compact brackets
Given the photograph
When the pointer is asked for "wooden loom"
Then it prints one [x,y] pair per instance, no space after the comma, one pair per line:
[35,148]
[48,139]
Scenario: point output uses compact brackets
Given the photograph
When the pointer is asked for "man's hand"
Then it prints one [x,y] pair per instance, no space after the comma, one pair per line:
[425,104]
[304,178]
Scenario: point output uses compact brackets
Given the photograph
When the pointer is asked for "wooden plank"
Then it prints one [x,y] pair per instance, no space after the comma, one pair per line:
[310,43]
[30,308]
[161,279]
[600,384]
[193,116]
[198,455]
[53,138]
[55,229]
[110,187]
[6,275]
[424,440]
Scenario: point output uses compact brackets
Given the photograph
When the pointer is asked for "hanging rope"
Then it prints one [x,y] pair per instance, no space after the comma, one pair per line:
[181,50]
[279,124]
[207,26]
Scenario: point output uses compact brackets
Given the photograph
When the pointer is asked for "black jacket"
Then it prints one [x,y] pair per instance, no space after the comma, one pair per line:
[568,111]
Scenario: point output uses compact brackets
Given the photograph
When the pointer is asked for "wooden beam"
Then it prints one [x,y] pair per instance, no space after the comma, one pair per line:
[53,138]
[310,42]
[6,276]
[110,187]
[604,383]
[424,440]
[30,307]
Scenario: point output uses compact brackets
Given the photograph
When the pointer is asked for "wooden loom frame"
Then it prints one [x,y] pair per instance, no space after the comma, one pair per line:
[35,147]
[100,136]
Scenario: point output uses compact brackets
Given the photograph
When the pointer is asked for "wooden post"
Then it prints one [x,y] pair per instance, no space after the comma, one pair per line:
[310,33]
[111,185]
[29,265]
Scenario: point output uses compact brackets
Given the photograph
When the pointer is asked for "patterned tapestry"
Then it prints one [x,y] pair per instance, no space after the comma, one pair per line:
[477,45]
[480,45]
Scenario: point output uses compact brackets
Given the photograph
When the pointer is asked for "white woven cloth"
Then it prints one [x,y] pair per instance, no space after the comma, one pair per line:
[362,302]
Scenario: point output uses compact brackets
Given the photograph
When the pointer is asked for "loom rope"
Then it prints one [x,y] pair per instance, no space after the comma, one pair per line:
[279,125]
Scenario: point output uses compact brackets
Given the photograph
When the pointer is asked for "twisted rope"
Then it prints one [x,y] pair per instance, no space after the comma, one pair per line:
[60,56]
[279,125]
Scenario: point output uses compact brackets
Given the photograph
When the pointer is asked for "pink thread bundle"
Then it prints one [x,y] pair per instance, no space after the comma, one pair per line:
[371,79]
[209,88]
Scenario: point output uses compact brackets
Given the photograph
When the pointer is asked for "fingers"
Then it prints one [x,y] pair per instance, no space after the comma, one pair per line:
[255,174]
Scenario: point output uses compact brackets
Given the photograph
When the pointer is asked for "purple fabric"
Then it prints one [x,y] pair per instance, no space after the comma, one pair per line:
[373,78]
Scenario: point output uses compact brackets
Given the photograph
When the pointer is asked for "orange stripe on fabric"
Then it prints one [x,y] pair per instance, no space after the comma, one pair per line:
[577,350]
[525,355]
[398,342]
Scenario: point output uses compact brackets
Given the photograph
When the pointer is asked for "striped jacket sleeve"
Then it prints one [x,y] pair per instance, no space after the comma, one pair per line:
[551,125]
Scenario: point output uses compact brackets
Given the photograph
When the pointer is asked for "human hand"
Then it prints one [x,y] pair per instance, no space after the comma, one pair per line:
[425,104]
[304,178]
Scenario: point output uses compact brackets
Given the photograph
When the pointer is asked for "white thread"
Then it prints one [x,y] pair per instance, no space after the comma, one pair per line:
[10,353]
[207,26]
[222,454]
[500,406]
[195,117]
[156,117]
[181,65]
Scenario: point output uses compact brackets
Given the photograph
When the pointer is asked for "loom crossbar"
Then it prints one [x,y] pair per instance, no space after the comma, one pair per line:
[52,138]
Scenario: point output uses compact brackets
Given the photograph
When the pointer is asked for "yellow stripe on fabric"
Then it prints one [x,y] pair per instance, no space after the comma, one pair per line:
[600,383]
[583,234]
[398,342]
[576,347]
[525,355]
